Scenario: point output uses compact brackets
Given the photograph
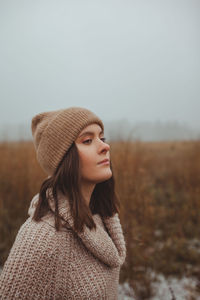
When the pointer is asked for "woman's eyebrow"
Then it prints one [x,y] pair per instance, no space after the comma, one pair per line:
[89,133]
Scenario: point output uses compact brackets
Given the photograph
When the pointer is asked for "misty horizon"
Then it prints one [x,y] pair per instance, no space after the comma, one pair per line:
[119,130]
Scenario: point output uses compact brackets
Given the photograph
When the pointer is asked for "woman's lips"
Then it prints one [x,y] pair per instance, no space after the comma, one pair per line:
[104,162]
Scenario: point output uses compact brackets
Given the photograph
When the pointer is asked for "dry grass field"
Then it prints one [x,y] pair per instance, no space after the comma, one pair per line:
[159,189]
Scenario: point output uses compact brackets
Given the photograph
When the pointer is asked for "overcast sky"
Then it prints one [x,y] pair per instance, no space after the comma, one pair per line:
[134,59]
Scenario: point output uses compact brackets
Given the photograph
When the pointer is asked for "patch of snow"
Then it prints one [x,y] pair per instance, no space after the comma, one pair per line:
[165,289]
[125,292]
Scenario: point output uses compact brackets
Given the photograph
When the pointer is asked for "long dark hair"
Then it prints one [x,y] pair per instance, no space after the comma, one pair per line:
[67,178]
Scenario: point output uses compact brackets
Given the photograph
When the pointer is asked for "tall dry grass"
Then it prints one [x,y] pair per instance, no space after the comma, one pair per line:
[159,188]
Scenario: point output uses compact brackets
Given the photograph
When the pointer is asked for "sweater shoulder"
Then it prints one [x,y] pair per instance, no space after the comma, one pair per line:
[41,234]
[41,238]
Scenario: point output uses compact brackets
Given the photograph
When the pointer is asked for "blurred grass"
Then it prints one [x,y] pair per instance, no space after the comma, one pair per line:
[159,189]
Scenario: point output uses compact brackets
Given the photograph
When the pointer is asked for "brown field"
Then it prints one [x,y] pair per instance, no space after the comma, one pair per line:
[159,189]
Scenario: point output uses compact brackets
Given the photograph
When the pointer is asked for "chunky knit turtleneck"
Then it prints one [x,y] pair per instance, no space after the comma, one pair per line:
[46,264]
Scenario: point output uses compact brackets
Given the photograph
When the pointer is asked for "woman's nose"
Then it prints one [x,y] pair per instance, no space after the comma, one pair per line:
[105,146]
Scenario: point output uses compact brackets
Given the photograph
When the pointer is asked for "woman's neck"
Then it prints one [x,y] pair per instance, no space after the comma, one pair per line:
[87,190]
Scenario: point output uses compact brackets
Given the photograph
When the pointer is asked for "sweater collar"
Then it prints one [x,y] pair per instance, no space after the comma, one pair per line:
[106,242]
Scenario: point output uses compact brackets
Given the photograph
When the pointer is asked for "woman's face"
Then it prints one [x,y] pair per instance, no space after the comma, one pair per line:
[92,150]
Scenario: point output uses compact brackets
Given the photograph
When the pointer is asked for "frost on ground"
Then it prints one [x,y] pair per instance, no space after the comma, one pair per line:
[125,292]
[165,289]
[181,289]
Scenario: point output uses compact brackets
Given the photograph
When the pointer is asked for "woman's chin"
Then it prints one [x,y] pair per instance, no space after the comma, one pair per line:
[107,175]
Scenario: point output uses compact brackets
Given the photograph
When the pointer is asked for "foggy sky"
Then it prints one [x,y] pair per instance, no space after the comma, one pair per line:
[138,60]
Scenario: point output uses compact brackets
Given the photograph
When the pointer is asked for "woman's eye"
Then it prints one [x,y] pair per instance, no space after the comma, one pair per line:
[85,142]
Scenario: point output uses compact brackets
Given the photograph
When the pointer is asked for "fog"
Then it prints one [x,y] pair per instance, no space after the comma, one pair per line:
[131,62]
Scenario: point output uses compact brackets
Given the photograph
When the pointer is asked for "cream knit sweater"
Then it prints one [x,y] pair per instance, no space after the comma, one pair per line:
[46,264]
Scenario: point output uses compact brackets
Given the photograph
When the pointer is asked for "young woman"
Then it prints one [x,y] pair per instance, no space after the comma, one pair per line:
[72,245]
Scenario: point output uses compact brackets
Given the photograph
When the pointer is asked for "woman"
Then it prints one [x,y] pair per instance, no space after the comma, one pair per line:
[72,245]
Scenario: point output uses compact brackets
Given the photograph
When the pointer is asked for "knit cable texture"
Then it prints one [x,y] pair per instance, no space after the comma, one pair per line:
[46,264]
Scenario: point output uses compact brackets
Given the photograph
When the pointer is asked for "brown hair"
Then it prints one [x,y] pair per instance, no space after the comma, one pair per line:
[104,200]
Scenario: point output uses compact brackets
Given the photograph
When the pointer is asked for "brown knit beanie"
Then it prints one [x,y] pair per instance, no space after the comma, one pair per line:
[55,131]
